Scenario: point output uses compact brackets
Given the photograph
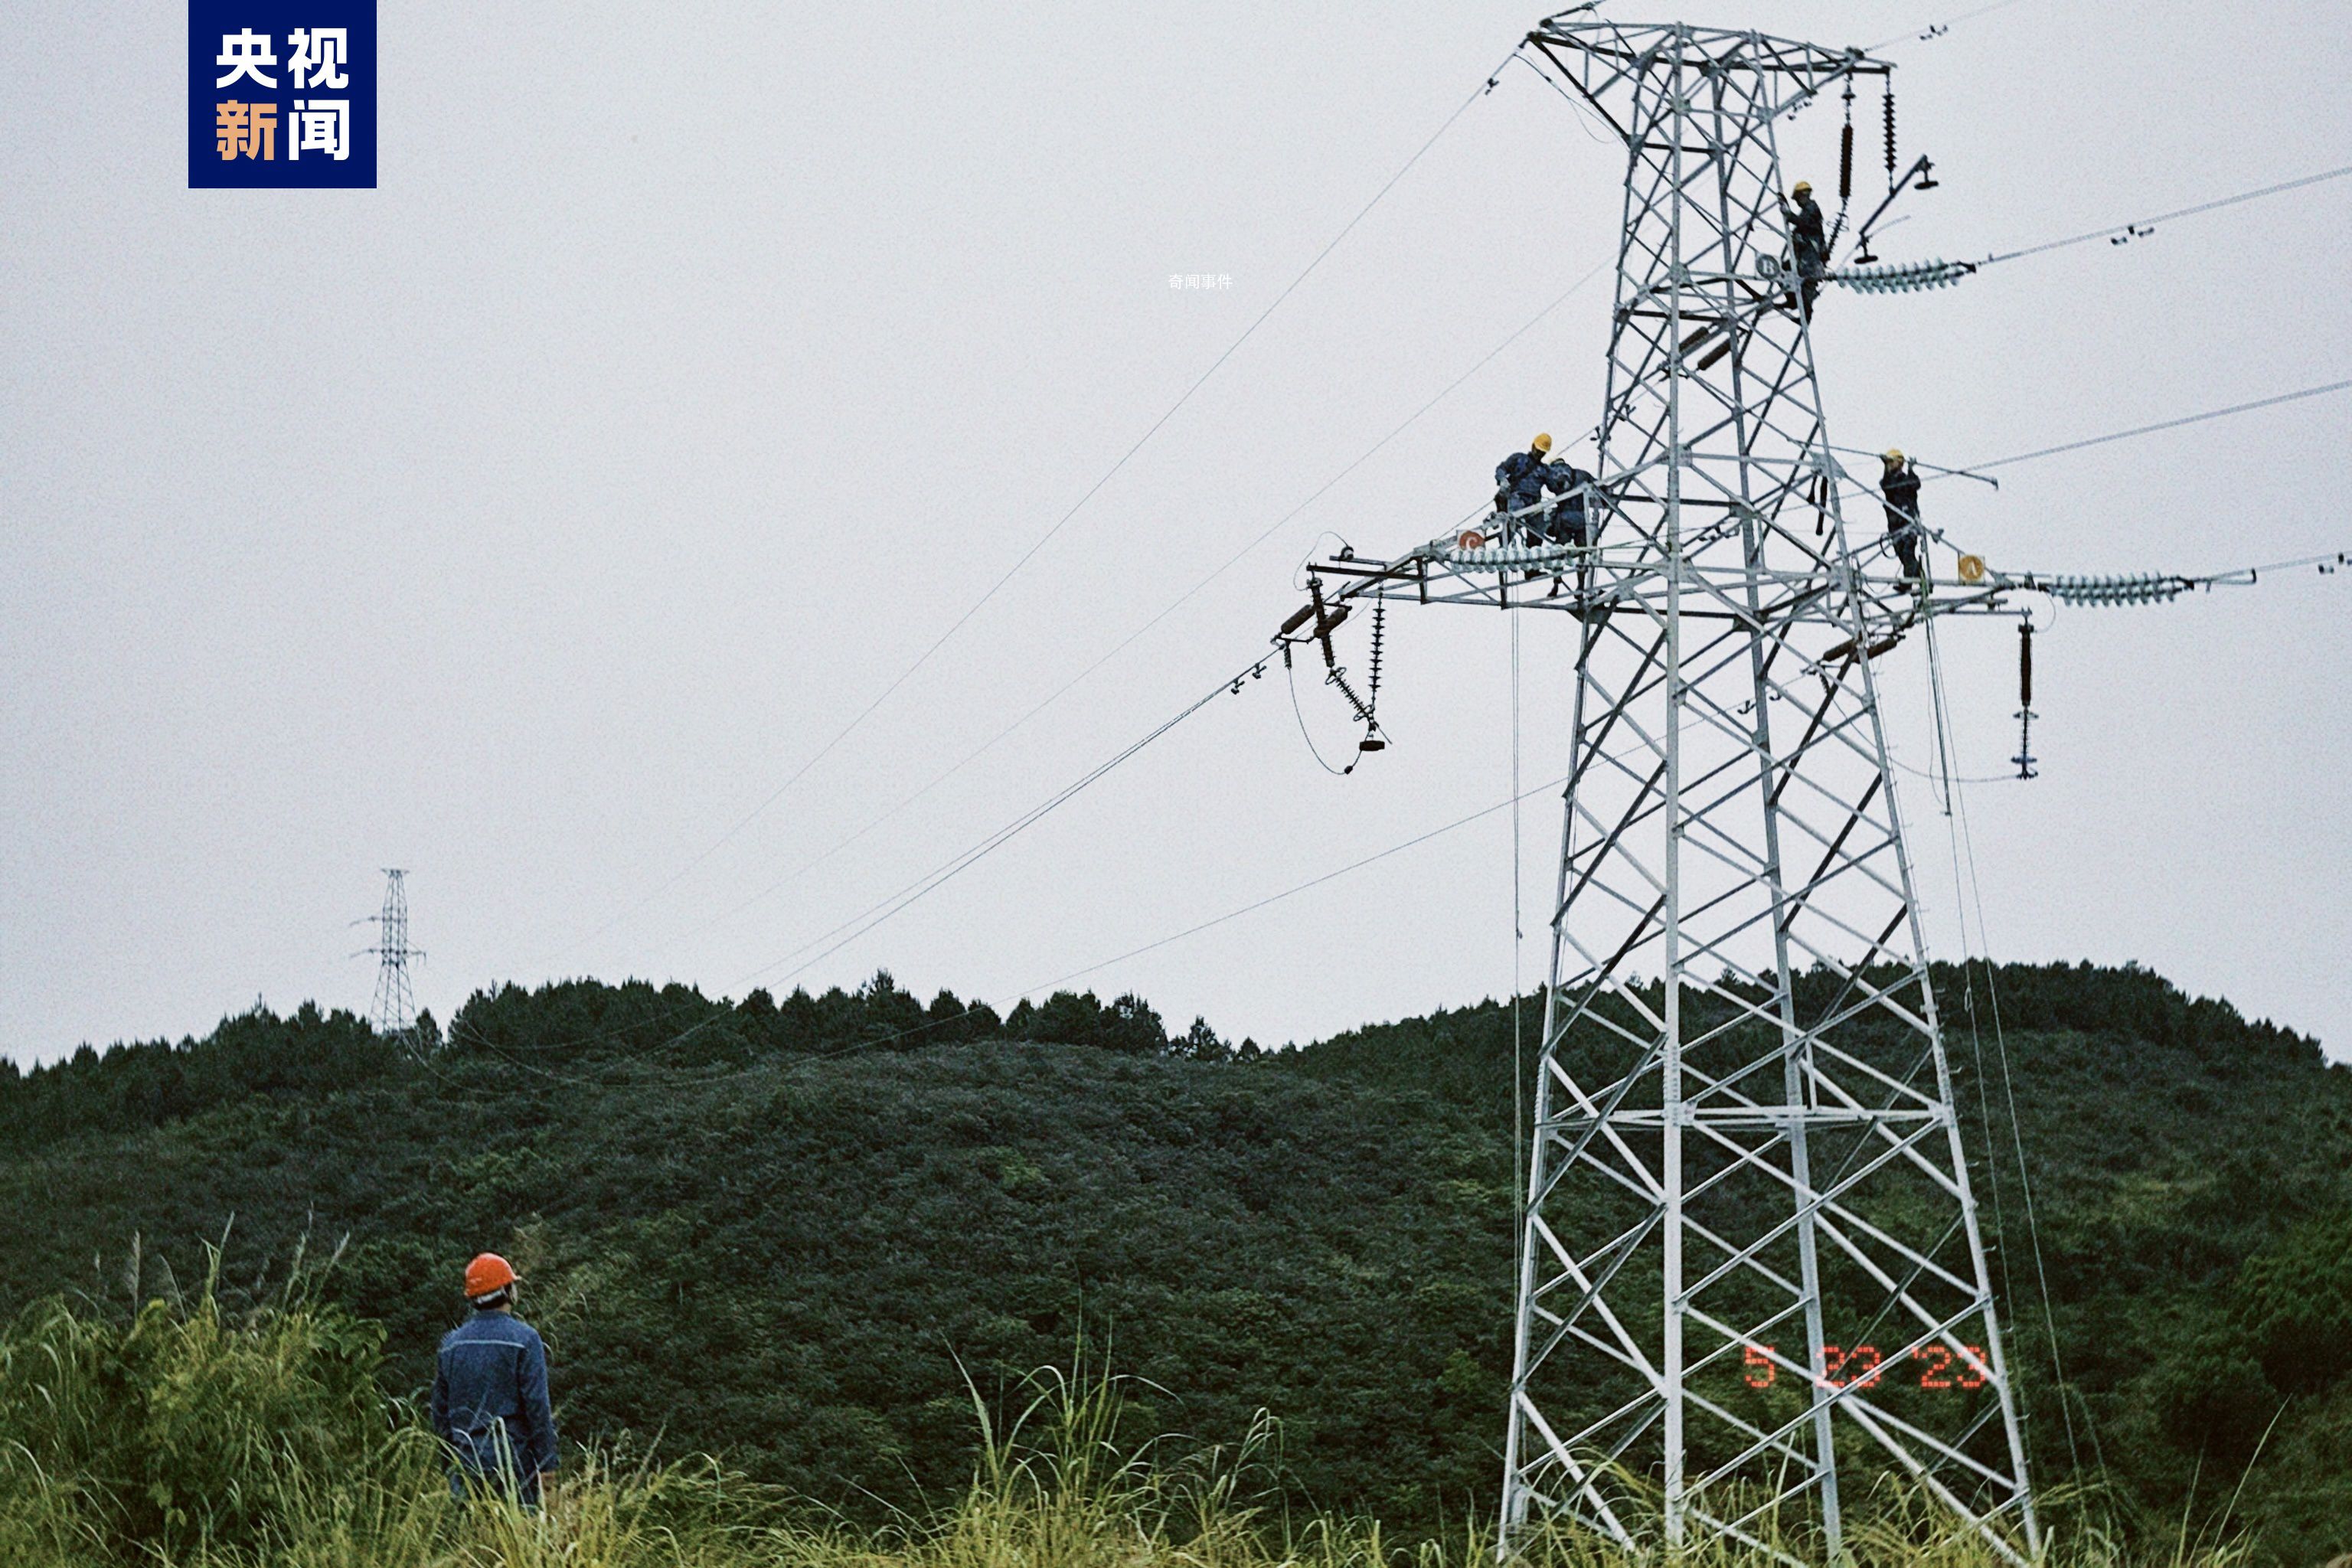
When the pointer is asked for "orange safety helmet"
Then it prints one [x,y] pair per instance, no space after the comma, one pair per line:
[487,1274]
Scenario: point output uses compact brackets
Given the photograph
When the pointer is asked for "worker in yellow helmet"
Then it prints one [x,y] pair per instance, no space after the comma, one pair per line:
[1898,483]
[1521,480]
[1809,242]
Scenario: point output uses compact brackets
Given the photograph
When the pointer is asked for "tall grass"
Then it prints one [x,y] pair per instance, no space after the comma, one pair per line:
[185,1435]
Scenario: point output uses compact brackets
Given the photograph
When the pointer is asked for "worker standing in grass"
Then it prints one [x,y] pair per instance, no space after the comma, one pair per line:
[489,1392]
[1899,484]
[1808,241]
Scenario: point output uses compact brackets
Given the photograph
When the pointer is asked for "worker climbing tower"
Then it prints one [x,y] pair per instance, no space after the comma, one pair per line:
[1750,1265]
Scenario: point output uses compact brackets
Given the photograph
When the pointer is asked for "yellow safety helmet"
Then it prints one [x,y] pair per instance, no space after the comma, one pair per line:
[1893,457]
[1542,443]
[1801,188]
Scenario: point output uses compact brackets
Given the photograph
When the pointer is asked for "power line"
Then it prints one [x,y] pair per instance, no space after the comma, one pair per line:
[2112,230]
[1060,523]
[1937,29]
[1251,908]
[922,887]
[1018,565]
[1860,491]
[1508,802]
[1293,891]
[1518,1037]
[1955,825]
[1937,274]
[2166,424]
[1964,841]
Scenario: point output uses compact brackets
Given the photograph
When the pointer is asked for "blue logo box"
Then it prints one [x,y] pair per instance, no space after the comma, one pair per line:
[281,95]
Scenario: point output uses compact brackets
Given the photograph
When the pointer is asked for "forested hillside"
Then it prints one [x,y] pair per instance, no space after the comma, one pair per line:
[788,1233]
[2190,1191]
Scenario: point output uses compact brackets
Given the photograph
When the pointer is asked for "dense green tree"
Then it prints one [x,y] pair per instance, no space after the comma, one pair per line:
[2294,1305]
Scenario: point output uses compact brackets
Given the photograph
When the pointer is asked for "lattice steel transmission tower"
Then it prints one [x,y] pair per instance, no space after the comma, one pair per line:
[1756,1158]
[395,1011]
[1751,1267]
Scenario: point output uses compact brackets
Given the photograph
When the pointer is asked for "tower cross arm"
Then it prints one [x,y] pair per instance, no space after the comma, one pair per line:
[1601,61]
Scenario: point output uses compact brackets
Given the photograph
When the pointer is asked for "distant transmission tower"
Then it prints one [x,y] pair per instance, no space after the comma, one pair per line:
[394,1012]
[1751,1267]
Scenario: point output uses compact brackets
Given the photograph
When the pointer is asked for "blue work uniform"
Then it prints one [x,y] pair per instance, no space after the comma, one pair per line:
[1901,488]
[1809,246]
[1569,522]
[1520,482]
[489,1404]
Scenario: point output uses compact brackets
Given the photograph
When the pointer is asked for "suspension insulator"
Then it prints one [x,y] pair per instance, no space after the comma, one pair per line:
[2107,590]
[1904,277]
[1890,137]
[1845,163]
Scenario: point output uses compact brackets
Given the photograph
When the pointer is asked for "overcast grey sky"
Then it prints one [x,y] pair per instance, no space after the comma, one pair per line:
[528,521]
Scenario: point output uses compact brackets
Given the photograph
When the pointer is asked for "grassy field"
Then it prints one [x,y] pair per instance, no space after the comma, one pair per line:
[185,1435]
